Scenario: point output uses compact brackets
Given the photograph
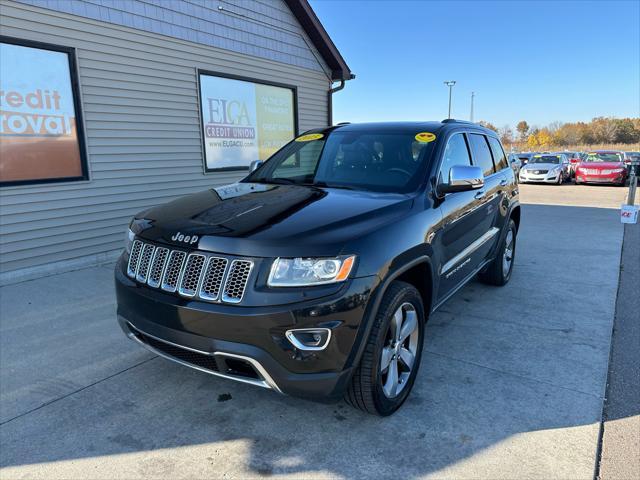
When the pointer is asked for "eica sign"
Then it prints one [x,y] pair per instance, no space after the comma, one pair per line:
[243,120]
[38,113]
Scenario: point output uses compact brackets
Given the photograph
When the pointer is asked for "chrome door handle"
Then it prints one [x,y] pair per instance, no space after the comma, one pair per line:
[503,182]
[480,194]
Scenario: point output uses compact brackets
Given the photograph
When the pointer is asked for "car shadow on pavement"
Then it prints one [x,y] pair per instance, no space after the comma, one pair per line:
[510,385]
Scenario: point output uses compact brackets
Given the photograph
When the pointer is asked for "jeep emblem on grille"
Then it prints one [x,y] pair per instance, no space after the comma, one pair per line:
[190,239]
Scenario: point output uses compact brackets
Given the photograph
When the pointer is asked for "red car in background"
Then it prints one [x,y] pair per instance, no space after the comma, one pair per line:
[602,166]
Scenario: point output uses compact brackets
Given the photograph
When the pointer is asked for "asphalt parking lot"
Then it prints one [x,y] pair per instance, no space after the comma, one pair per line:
[511,384]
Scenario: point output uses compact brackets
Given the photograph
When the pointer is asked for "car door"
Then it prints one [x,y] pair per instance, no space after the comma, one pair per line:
[463,215]
[483,221]
[487,153]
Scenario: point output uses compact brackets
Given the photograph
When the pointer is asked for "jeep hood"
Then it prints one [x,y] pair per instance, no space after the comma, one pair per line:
[265,220]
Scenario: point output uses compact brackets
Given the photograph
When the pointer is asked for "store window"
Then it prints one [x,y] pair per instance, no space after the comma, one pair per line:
[40,121]
[243,120]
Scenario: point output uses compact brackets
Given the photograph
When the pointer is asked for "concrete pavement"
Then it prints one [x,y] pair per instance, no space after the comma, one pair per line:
[511,383]
[620,457]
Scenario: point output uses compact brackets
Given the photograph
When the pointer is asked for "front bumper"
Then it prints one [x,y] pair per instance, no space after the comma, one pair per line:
[614,178]
[248,344]
[538,178]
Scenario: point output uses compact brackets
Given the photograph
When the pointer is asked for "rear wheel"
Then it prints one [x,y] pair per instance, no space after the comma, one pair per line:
[498,272]
[390,362]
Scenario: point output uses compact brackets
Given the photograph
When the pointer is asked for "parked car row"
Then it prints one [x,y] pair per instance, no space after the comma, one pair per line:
[599,166]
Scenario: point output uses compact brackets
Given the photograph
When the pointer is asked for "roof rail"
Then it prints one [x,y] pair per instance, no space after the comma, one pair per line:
[453,120]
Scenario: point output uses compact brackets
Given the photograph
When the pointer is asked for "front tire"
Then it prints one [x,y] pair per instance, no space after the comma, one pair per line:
[389,365]
[498,272]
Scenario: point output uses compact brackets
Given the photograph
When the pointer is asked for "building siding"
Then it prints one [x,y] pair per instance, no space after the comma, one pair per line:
[142,129]
[265,29]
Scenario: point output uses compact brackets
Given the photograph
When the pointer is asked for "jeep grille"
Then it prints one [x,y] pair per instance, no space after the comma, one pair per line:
[191,275]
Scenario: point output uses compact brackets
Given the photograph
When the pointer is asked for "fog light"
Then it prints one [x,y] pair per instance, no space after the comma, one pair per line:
[310,339]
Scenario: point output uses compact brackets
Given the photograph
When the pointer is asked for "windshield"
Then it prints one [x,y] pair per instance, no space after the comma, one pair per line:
[361,160]
[603,157]
[545,159]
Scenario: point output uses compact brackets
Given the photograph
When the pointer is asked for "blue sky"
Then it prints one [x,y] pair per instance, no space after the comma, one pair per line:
[538,61]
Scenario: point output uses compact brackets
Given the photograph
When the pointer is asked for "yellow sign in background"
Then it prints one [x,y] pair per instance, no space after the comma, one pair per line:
[274,109]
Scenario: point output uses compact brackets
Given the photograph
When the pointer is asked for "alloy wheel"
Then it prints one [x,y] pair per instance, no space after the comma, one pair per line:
[507,257]
[400,349]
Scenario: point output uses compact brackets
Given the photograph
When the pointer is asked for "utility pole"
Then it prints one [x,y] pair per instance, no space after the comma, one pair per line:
[450,84]
[473,94]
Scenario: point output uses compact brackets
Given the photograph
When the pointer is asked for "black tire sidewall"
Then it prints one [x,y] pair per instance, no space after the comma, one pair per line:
[386,406]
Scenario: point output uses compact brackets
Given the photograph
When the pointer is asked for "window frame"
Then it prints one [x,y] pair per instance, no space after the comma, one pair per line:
[77,107]
[486,141]
[199,71]
[495,164]
[439,180]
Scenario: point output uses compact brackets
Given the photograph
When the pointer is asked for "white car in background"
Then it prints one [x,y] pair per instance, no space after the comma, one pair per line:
[545,168]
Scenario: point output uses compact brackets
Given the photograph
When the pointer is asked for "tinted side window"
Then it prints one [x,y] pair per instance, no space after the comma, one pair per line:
[455,153]
[481,153]
[499,157]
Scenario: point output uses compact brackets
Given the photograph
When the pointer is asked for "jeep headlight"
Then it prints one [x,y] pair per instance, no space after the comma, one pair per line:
[300,272]
[128,240]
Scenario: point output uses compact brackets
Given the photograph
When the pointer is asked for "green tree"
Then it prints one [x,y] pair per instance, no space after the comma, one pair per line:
[604,129]
[626,131]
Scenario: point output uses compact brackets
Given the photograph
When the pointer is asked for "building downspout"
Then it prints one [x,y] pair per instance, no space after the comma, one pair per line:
[330,99]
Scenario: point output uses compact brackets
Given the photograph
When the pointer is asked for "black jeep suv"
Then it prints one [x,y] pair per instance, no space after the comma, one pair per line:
[315,275]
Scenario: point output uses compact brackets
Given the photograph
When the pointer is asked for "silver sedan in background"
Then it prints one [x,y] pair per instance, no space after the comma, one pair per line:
[545,168]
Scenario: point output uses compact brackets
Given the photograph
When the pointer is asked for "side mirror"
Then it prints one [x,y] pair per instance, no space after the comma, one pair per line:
[463,178]
[255,165]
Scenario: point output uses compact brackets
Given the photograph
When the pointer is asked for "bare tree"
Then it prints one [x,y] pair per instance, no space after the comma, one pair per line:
[523,130]
[506,135]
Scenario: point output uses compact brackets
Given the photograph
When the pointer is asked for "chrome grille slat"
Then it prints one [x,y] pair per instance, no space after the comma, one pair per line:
[134,258]
[145,261]
[206,276]
[236,282]
[212,279]
[157,266]
[191,274]
[173,270]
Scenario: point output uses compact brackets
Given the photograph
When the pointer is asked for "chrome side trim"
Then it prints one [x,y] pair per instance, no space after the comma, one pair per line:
[290,334]
[266,382]
[488,235]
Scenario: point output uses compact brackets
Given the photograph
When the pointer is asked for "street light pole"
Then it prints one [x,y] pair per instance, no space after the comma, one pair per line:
[473,94]
[450,84]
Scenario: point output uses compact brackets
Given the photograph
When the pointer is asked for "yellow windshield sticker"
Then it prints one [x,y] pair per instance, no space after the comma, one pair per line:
[309,137]
[537,156]
[425,137]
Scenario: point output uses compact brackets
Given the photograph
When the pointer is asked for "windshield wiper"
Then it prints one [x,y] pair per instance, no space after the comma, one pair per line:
[280,181]
[326,185]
